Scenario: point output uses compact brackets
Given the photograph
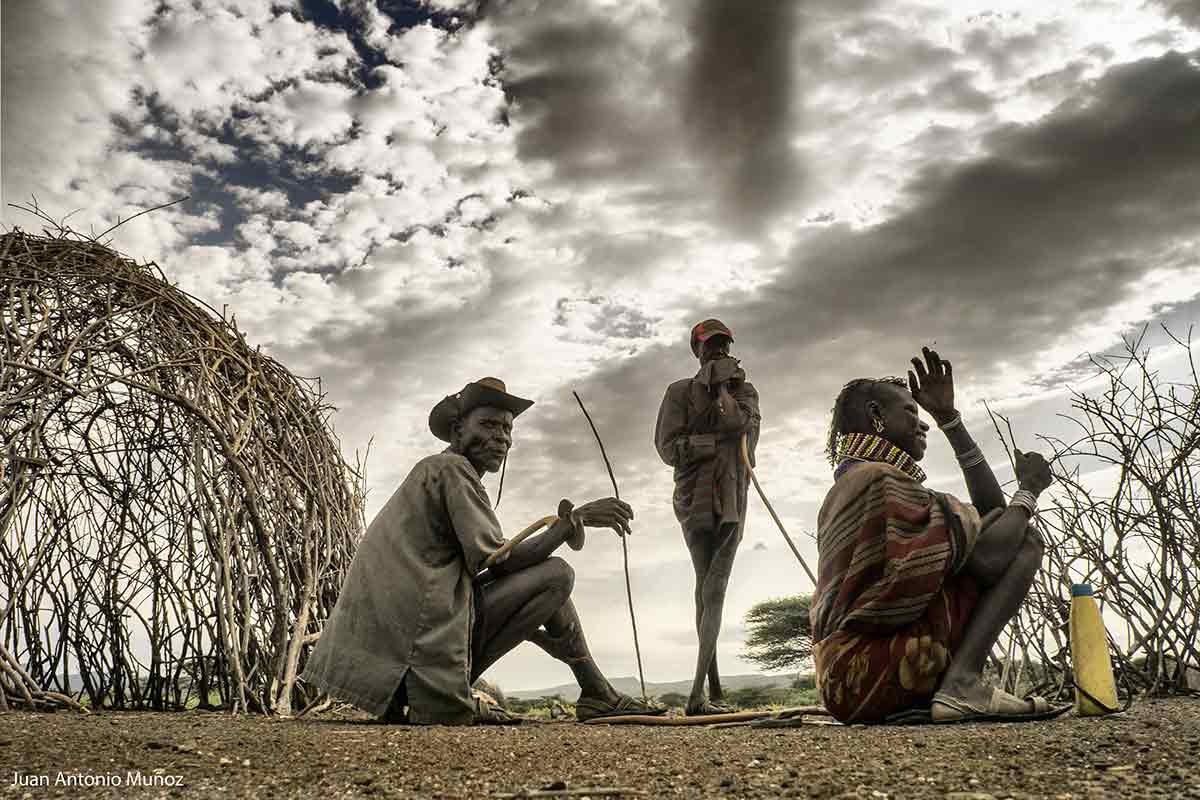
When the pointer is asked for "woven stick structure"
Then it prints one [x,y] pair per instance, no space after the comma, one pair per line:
[176,517]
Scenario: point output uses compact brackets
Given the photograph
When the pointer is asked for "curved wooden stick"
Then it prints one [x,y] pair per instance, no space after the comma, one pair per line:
[533,528]
[624,545]
[774,516]
[705,719]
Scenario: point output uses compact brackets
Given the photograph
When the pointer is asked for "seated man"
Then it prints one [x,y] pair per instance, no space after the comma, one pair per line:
[913,587]
[419,618]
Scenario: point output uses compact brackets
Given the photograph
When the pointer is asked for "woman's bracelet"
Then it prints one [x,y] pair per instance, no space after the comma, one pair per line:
[1026,500]
[971,458]
[955,422]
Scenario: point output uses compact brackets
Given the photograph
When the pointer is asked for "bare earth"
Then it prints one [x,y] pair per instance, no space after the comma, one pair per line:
[1151,751]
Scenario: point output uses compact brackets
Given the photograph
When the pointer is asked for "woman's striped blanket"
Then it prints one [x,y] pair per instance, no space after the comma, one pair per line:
[889,605]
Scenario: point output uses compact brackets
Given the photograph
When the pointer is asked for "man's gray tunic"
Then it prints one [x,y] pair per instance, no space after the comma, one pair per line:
[405,608]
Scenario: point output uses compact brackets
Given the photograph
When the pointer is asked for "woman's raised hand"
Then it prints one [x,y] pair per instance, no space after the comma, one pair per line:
[932,386]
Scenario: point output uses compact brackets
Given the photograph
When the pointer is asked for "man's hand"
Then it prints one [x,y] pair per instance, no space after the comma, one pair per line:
[932,386]
[724,370]
[1033,471]
[607,512]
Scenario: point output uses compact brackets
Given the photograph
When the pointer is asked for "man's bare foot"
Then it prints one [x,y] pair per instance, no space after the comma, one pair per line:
[707,708]
[623,705]
[605,695]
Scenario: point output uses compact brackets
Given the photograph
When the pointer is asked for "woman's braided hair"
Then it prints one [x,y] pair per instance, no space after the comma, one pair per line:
[857,389]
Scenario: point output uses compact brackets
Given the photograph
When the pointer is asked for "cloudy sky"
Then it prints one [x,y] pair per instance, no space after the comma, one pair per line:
[404,196]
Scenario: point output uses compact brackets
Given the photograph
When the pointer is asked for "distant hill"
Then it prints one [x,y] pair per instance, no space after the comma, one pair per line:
[630,685]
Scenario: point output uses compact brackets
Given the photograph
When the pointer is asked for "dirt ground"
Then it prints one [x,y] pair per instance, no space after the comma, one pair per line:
[1153,750]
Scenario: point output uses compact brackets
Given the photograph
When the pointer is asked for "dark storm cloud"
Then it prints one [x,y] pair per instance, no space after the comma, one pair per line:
[955,92]
[997,256]
[1186,11]
[737,104]
[993,258]
[567,75]
[693,113]
[697,115]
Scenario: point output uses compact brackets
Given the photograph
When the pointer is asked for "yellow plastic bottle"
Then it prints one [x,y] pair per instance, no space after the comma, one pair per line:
[1089,654]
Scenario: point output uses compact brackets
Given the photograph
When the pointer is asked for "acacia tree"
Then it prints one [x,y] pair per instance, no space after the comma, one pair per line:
[780,633]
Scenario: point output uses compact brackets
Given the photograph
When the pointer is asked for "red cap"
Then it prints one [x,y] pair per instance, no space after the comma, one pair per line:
[702,331]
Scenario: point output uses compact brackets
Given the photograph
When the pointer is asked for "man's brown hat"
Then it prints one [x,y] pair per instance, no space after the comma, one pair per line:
[483,392]
[706,330]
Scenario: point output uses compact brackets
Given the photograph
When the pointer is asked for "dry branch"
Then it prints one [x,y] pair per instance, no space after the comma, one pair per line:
[1134,535]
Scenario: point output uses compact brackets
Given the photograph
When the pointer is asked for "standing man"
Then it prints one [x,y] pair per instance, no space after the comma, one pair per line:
[422,614]
[699,432]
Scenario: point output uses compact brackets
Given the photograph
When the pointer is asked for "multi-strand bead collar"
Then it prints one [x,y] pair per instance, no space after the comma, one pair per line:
[868,447]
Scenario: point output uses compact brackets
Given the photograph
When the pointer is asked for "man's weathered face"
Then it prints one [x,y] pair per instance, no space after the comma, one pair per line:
[483,436]
[903,425]
[716,346]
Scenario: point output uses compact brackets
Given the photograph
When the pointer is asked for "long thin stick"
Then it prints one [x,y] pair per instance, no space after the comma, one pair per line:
[583,791]
[774,516]
[624,546]
[705,719]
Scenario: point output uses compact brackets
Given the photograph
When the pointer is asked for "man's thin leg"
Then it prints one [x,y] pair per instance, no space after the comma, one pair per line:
[715,692]
[516,605]
[1007,587]
[564,640]
[700,548]
[716,581]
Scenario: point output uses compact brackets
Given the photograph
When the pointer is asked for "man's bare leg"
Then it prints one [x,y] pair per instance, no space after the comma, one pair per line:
[701,550]
[715,693]
[1007,570]
[700,547]
[564,640]
[711,584]
[516,605]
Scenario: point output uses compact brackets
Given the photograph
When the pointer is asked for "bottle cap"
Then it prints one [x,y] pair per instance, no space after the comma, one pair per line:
[1081,590]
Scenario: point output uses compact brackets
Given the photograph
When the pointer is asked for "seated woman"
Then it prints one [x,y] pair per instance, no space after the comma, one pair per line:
[913,586]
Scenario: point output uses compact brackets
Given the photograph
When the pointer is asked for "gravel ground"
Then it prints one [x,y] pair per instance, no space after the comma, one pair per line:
[1153,750]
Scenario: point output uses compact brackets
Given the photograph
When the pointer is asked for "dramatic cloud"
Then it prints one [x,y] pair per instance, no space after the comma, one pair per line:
[737,104]
[1186,11]
[402,197]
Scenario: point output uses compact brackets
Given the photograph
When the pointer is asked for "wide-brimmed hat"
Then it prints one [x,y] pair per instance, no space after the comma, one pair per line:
[483,392]
[707,329]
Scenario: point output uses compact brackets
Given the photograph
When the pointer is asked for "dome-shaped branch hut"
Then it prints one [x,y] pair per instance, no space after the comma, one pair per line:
[176,516]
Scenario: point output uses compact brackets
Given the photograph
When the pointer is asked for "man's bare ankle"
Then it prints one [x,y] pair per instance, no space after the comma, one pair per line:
[606,693]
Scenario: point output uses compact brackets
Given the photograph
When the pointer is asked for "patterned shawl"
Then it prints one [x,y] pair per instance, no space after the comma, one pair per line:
[885,545]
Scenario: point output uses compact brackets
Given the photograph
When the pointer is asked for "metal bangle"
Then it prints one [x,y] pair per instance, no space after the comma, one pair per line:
[1026,500]
[956,422]
[972,458]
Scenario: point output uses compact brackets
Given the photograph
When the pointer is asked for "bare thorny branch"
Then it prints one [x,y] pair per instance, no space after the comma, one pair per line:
[1137,542]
